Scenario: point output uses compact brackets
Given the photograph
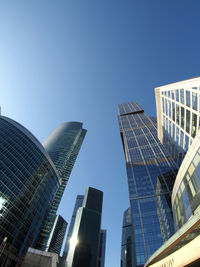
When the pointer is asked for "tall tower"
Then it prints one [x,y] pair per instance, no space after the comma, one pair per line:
[83,250]
[63,146]
[151,173]
[78,204]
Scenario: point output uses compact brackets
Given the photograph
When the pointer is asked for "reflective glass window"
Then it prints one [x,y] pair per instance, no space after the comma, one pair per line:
[194,101]
[182,96]
[187,121]
[186,142]
[173,111]
[169,105]
[173,94]
[177,114]
[182,117]
[177,95]
[188,98]
[194,124]
[168,93]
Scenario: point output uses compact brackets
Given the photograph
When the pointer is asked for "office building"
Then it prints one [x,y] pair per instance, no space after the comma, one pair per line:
[151,173]
[63,146]
[84,243]
[55,241]
[28,183]
[102,249]
[178,114]
[178,121]
[78,204]
[128,256]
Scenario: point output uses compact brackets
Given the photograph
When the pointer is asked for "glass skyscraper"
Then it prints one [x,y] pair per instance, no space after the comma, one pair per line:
[28,183]
[78,204]
[151,172]
[63,146]
[84,243]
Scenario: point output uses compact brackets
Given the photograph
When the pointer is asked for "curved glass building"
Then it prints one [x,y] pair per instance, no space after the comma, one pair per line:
[186,191]
[63,146]
[28,183]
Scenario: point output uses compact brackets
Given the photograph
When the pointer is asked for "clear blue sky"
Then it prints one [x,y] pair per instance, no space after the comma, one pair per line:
[75,60]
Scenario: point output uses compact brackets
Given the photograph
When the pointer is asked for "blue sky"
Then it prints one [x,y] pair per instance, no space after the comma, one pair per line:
[76,60]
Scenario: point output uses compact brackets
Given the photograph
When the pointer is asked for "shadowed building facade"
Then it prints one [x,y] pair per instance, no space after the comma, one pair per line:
[102,249]
[55,241]
[28,183]
[151,172]
[84,243]
[63,146]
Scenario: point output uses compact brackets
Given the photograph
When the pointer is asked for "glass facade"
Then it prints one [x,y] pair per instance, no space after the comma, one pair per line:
[184,115]
[63,146]
[27,186]
[187,199]
[128,257]
[78,204]
[55,241]
[84,244]
[151,172]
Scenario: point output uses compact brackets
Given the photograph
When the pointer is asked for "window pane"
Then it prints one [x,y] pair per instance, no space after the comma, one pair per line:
[188,98]
[177,114]
[182,117]
[194,101]
[182,96]
[194,124]
[177,95]
[173,95]
[187,121]
[173,111]
[186,142]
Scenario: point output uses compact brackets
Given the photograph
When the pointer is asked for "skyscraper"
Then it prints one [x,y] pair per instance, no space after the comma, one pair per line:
[28,183]
[55,241]
[151,172]
[63,146]
[84,244]
[78,204]
[128,257]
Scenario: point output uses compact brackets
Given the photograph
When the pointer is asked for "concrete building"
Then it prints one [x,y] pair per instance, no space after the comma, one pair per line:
[38,258]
